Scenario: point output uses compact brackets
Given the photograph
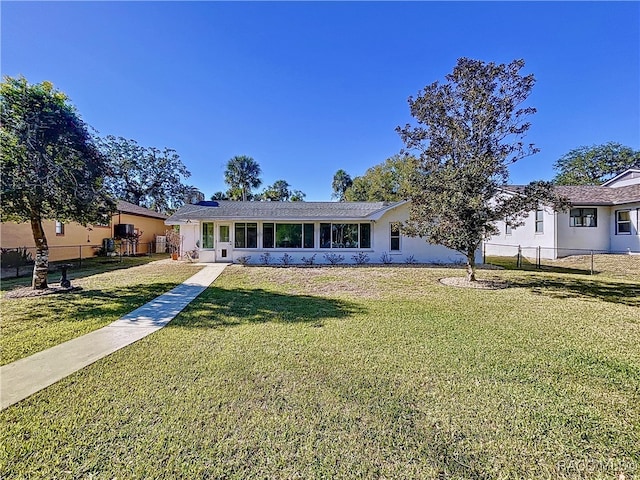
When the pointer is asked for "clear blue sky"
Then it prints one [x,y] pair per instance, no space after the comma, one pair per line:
[307,88]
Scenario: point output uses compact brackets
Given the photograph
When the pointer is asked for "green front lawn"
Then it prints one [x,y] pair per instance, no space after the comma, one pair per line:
[30,325]
[355,373]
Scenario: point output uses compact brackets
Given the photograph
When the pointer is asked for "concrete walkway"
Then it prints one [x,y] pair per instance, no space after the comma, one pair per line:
[26,376]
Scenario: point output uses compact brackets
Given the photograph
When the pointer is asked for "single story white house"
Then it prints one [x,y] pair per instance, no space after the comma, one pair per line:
[602,219]
[225,231]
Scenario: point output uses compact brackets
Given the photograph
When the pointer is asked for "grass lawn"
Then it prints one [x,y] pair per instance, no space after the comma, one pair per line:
[30,325]
[355,373]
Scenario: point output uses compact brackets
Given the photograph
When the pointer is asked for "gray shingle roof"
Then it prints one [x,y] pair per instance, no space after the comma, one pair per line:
[126,207]
[594,195]
[230,210]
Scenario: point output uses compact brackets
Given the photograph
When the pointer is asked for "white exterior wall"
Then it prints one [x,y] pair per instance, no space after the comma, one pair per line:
[626,243]
[506,245]
[380,243]
[581,240]
[190,235]
[422,251]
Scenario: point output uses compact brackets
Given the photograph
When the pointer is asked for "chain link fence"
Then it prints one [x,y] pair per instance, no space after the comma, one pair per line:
[563,260]
[17,262]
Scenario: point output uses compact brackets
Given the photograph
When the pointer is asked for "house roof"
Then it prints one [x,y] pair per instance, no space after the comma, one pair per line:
[232,210]
[633,172]
[592,194]
[133,209]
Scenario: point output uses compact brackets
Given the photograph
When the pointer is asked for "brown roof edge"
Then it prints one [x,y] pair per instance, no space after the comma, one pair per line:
[126,207]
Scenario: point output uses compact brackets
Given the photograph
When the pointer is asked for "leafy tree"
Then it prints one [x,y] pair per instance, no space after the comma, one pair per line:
[220,196]
[297,196]
[469,130]
[146,176]
[280,192]
[51,167]
[594,165]
[341,182]
[193,195]
[387,182]
[242,175]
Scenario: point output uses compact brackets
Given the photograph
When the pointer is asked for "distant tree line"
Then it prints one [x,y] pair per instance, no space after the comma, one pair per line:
[242,175]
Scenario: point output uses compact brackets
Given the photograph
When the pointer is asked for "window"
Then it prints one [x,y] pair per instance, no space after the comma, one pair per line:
[246,235]
[583,217]
[207,235]
[268,235]
[345,235]
[309,231]
[59,228]
[539,221]
[287,235]
[395,237]
[507,229]
[224,233]
[623,222]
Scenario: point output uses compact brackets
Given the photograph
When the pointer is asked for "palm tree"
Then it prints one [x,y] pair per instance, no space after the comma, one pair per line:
[341,182]
[243,173]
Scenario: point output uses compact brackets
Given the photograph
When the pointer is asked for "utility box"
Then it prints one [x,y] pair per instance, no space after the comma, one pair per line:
[161,243]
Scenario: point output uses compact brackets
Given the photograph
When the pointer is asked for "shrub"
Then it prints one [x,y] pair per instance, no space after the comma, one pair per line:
[410,260]
[265,258]
[309,261]
[244,260]
[361,258]
[333,258]
[386,258]
[286,259]
[15,257]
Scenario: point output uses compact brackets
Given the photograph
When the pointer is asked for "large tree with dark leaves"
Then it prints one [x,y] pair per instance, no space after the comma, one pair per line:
[51,167]
[146,176]
[594,165]
[469,130]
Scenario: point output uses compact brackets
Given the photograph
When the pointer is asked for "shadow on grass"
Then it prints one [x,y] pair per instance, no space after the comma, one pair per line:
[91,266]
[80,305]
[567,287]
[510,263]
[218,307]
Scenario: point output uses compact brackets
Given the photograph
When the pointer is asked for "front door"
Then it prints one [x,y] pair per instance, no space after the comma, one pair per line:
[223,245]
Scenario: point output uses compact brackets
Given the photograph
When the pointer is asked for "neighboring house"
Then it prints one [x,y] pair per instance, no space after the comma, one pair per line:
[603,219]
[224,231]
[65,239]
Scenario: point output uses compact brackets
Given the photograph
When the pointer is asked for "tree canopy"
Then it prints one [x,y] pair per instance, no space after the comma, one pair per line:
[242,175]
[51,166]
[594,165]
[469,130]
[281,191]
[389,181]
[341,182]
[146,176]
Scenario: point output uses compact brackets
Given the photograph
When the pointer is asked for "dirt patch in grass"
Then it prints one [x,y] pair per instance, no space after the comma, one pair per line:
[29,292]
[479,284]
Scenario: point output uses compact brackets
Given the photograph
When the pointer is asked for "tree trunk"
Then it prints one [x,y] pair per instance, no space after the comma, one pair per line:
[471,266]
[41,267]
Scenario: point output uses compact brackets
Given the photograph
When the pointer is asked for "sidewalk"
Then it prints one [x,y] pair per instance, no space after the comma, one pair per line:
[26,376]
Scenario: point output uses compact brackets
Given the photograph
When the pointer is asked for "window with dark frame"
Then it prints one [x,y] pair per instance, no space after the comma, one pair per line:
[345,235]
[583,217]
[539,221]
[395,237]
[59,228]
[246,235]
[623,222]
